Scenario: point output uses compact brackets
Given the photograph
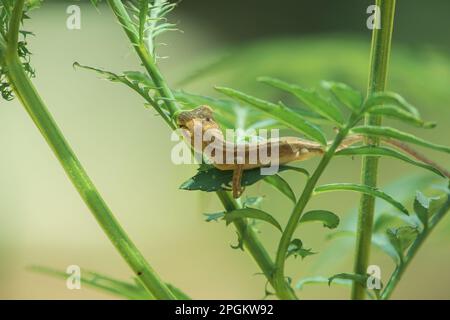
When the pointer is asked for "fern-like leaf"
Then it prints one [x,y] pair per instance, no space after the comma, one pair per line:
[6,7]
[149,18]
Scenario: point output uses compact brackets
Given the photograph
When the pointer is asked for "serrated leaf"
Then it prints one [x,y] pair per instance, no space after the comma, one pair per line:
[328,218]
[251,213]
[281,185]
[399,135]
[363,189]
[143,11]
[135,80]
[311,98]
[214,216]
[283,114]
[384,220]
[390,98]
[381,241]
[213,179]
[348,96]
[397,112]
[421,207]
[296,249]
[388,152]
[252,201]
[401,238]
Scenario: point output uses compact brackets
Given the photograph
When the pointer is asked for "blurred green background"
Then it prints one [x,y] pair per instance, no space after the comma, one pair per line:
[126,148]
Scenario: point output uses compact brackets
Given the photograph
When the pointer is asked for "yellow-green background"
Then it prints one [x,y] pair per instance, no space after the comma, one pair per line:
[126,148]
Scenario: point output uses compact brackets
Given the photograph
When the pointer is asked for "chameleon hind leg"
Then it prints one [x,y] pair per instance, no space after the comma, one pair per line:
[237,178]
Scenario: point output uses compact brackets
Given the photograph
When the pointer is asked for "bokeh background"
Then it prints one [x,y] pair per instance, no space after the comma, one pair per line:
[126,148]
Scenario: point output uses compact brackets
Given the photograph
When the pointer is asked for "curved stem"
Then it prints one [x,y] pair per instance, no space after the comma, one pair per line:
[250,239]
[124,19]
[281,286]
[37,110]
[380,52]
[14,26]
[400,270]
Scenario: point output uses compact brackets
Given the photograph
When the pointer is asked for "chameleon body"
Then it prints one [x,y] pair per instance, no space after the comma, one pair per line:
[199,122]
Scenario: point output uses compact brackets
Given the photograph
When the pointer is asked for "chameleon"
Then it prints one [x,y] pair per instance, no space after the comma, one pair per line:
[200,121]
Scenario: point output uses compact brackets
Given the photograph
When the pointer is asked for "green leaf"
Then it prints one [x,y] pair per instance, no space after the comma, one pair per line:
[384,151]
[401,238]
[358,278]
[212,179]
[180,295]
[135,80]
[280,112]
[143,11]
[378,240]
[252,201]
[320,280]
[101,282]
[281,185]
[252,214]
[96,2]
[421,208]
[384,220]
[329,219]
[133,291]
[397,112]
[348,96]
[363,189]
[229,113]
[317,103]
[324,280]
[214,216]
[390,98]
[296,249]
[388,132]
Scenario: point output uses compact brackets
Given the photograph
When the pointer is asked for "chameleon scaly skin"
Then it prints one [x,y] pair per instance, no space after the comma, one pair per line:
[199,123]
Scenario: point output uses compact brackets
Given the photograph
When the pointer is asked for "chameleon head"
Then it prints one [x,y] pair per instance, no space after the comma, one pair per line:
[200,117]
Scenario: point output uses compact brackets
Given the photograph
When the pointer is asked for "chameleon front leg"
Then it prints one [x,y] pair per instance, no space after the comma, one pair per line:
[237,178]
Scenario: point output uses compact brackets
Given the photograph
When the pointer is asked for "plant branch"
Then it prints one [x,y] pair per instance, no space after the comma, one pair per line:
[124,19]
[250,239]
[37,110]
[380,52]
[281,286]
[400,270]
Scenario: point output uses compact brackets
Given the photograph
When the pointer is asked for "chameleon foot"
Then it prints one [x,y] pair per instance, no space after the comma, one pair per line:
[237,177]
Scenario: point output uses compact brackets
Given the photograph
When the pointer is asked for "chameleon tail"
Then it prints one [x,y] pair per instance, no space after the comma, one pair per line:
[414,153]
[350,140]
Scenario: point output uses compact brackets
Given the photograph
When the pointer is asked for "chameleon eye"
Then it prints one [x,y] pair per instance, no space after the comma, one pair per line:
[208,119]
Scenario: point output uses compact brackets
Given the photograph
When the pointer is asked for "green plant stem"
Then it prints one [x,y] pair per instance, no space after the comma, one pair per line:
[400,270]
[37,110]
[380,52]
[282,288]
[147,60]
[250,239]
